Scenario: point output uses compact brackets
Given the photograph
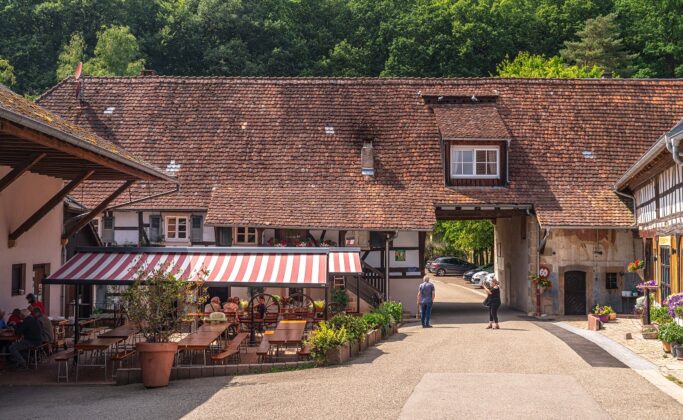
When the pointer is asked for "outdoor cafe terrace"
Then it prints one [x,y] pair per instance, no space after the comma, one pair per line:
[264,332]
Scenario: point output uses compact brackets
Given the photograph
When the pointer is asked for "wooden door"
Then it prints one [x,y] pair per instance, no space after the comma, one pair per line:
[40,271]
[575,293]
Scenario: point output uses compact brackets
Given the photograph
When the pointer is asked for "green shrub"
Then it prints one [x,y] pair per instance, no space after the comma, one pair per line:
[376,320]
[393,308]
[325,338]
[673,333]
[660,314]
[355,326]
[340,298]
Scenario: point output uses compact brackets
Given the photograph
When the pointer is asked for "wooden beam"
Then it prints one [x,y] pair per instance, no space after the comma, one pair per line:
[19,170]
[97,210]
[421,239]
[70,149]
[322,236]
[54,201]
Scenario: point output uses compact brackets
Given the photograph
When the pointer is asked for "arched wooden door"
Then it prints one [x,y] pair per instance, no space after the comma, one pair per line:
[575,293]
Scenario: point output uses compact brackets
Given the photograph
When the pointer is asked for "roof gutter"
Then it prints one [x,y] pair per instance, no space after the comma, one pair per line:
[655,150]
[673,143]
[75,141]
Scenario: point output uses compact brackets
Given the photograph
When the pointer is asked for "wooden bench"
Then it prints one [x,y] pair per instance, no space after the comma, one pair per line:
[62,359]
[233,349]
[263,350]
[120,357]
[304,353]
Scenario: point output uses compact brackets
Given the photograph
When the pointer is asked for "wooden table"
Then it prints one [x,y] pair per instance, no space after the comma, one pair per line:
[87,353]
[287,333]
[203,338]
[124,331]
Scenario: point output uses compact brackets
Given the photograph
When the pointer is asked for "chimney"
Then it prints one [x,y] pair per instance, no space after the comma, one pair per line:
[367,159]
[148,72]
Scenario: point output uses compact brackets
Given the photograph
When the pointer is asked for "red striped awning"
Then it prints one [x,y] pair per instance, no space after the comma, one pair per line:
[305,268]
[344,262]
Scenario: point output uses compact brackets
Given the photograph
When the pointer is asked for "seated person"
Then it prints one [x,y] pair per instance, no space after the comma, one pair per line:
[32,334]
[232,306]
[261,306]
[34,303]
[46,326]
[213,306]
[3,324]
[14,320]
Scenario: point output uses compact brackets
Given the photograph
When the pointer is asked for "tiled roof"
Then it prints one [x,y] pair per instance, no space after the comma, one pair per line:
[257,150]
[470,121]
[19,109]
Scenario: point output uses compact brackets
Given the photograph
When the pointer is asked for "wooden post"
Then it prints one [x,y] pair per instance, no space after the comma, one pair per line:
[99,209]
[19,170]
[421,238]
[52,203]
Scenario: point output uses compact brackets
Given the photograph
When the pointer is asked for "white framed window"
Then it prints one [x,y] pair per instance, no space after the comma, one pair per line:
[245,235]
[475,162]
[176,228]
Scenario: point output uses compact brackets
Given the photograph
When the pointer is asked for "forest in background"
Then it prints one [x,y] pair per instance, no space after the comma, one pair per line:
[42,41]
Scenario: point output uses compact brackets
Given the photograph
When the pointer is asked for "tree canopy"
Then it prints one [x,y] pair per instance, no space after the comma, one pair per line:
[44,39]
[529,65]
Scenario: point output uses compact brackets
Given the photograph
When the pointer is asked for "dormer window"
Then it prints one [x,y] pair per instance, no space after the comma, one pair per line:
[469,162]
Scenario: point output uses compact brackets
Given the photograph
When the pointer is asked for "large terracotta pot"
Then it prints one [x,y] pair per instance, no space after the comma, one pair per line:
[156,361]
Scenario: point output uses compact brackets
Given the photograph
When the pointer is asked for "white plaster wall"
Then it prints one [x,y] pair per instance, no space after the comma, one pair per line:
[39,245]
[130,219]
[511,251]
[404,290]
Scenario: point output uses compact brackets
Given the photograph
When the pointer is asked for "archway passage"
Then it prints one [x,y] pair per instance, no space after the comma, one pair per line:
[515,239]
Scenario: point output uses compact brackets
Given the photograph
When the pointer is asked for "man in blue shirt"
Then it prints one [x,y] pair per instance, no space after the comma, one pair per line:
[425,298]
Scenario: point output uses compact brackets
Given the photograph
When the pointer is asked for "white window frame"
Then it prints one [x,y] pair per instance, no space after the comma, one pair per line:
[474,150]
[246,232]
[173,234]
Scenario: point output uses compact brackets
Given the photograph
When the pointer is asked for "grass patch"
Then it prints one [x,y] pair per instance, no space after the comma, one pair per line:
[674,380]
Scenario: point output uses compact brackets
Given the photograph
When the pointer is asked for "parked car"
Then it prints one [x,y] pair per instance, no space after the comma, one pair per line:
[479,277]
[468,274]
[448,265]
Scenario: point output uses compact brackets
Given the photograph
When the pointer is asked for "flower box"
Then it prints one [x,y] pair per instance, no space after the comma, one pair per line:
[338,355]
[355,348]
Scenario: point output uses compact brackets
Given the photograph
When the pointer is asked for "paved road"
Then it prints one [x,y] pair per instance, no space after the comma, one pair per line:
[455,370]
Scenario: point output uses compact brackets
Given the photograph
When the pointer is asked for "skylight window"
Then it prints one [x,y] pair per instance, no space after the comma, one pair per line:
[329,129]
[109,110]
[587,154]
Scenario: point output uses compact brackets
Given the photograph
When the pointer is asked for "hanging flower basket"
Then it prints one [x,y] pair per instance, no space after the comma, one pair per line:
[636,265]
[648,285]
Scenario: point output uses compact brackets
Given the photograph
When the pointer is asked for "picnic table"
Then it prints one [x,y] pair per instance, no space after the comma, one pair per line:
[93,350]
[124,331]
[287,333]
[202,339]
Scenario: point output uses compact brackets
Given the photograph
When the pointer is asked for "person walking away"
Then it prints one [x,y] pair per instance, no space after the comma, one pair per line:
[425,298]
[493,303]
[32,335]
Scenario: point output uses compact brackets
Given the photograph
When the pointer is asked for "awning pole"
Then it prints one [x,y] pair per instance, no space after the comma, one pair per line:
[77,326]
[252,332]
[357,293]
[326,292]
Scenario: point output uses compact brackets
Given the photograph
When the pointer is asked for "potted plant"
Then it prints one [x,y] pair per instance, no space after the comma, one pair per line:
[666,334]
[675,334]
[602,312]
[649,332]
[636,265]
[328,345]
[157,304]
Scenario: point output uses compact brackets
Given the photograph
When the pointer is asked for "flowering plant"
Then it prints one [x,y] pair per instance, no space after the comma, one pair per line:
[541,281]
[646,284]
[303,244]
[675,303]
[328,243]
[603,310]
[276,242]
[635,265]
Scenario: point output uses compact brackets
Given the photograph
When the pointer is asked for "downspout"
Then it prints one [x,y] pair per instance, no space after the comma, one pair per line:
[390,236]
[633,200]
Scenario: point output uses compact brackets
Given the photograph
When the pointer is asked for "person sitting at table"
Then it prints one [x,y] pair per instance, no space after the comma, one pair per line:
[213,306]
[32,335]
[14,320]
[34,303]
[45,326]
[261,306]
[3,324]
[232,306]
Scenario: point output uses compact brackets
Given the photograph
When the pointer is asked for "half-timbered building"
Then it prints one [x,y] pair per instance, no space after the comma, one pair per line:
[43,158]
[655,186]
[374,163]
